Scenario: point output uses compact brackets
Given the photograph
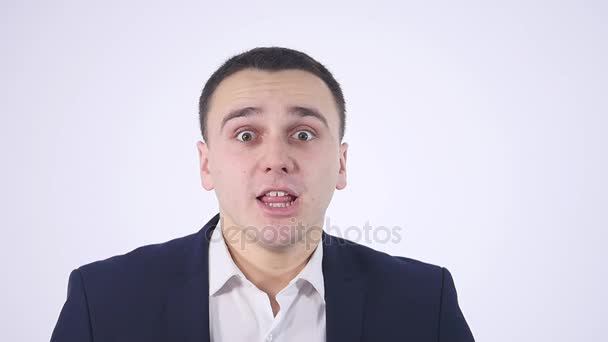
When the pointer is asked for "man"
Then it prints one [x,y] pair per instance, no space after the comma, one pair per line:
[263,269]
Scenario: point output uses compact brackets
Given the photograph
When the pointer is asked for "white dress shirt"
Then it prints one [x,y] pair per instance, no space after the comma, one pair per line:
[239,311]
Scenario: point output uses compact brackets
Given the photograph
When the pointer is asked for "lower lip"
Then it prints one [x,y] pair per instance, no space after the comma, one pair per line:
[280,212]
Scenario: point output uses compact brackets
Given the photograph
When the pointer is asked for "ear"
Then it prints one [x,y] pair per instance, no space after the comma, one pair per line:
[203,155]
[341,184]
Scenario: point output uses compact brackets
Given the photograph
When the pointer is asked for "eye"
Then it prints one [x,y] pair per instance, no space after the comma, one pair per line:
[303,135]
[245,136]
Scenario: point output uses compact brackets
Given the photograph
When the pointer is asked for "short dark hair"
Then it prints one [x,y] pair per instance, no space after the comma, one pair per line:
[270,59]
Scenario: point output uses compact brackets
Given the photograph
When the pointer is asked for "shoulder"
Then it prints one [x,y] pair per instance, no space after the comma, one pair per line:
[151,264]
[388,272]
[401,290]
[397,288]
[129,292]
[378,262]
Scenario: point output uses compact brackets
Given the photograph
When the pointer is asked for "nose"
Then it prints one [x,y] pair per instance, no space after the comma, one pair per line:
[276,157]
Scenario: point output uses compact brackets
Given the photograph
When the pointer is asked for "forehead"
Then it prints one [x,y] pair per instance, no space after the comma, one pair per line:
[252,87]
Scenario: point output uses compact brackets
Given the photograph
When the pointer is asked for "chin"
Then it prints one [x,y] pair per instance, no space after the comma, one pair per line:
[278,234]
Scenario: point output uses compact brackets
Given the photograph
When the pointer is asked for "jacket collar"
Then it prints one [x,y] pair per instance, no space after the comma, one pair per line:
[222,267]
[187,305]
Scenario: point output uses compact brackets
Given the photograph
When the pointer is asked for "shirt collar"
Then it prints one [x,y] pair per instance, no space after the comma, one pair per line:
[313,271]
[222,267]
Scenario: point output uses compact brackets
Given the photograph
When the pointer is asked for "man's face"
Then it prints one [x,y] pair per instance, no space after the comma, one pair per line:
[273,131]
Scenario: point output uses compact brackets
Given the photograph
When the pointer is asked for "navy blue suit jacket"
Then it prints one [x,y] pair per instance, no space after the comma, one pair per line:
[161,293]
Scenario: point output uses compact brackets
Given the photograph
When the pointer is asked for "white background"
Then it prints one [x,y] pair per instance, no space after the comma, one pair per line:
[477,127]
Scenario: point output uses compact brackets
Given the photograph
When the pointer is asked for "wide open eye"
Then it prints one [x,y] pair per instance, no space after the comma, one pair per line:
[245,136]
[303,135]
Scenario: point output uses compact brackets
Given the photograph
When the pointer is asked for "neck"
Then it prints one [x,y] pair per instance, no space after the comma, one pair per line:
[270,268]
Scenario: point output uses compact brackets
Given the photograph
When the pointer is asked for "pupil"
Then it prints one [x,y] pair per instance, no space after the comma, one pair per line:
[246,136]
[302,135]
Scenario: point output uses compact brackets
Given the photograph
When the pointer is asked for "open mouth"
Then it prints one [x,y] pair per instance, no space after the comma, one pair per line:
[277,199]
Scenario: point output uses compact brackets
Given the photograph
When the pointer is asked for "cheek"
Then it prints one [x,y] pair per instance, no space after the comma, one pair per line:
[321,174]
[231,160]
[231,172]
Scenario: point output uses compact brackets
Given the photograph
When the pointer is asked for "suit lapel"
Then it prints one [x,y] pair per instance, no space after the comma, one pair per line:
[345,289]
[188,299]
[188,320]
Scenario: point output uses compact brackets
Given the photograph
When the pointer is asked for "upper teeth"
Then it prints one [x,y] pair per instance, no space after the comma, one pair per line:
[276,193]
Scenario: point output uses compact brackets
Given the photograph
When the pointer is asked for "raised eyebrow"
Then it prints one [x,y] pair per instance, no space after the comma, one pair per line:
[308,111]
[240,112]
[295,110]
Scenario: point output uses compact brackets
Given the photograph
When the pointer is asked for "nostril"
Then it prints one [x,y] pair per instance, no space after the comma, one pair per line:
[284,169]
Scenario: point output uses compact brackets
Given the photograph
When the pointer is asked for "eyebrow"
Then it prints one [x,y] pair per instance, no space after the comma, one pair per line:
[294,110]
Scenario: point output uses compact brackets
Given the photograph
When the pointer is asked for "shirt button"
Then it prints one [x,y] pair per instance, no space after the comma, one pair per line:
[269,337]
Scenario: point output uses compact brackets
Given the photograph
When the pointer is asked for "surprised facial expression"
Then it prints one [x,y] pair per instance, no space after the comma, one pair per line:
[273,153]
